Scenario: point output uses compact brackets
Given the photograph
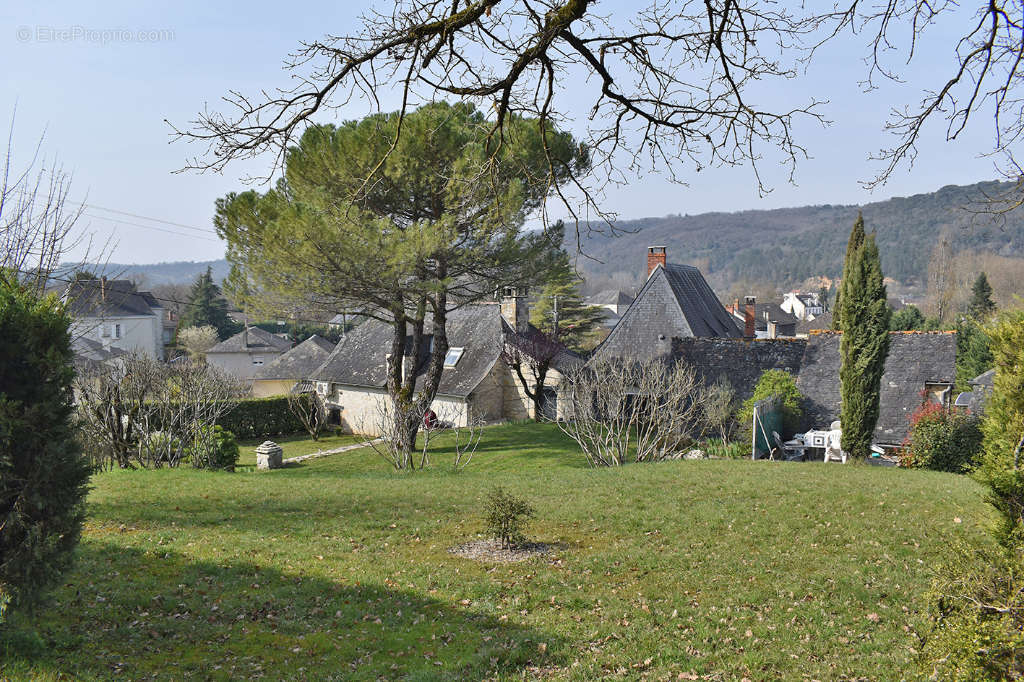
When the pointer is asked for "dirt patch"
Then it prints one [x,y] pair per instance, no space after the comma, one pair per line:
[491,550]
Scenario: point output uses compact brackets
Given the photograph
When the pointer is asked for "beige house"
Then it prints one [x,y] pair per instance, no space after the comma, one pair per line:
[476,385]
[298,364]
[245,354]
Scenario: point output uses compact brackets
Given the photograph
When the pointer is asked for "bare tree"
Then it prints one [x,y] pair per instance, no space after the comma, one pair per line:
[308,407]
[138,412]
[670,83]
[941,285]
[529,355]
[623,411]
[719,407]
[36,218]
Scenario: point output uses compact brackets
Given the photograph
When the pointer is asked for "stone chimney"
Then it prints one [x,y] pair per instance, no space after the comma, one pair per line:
[655,256]
[749,315]
[514,308]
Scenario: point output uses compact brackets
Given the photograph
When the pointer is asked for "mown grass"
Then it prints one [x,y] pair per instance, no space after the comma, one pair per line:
[295,445]
[339,568]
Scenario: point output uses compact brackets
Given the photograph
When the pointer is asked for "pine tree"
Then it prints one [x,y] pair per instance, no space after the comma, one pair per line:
[981,305]
[865,341]
[207,307]
[852,247]
[576,321]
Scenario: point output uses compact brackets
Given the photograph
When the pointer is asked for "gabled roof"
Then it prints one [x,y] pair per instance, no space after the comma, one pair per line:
[564,360]
[915,359]
[108,298]
[88,352]
[610,297]
[360,359]
[253,339]
[765,312]
[675,302]
[300,362]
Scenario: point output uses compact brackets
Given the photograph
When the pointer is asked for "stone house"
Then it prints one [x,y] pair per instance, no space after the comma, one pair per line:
[114,314]
[476,384]
[279,376]
[245,354]
[675,302]
[921,366]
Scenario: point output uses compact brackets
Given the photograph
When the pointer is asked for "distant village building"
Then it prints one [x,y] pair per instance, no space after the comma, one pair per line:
[614,302]
[803,306]
[246,353]
[280,376]
[770,320]
[115,315]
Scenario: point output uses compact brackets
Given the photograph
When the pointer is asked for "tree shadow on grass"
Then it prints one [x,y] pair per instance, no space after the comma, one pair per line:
[134,613]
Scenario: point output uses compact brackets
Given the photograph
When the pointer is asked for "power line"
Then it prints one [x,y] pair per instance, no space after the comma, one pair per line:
[121,221]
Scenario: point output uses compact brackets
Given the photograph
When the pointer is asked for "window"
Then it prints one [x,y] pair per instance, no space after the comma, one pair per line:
[453,357]
[117,331]
[257,359]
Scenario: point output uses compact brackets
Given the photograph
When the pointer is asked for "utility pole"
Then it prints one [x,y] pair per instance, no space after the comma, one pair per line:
[554,315]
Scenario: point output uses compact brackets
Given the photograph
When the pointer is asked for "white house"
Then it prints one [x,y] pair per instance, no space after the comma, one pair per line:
[114,314]
[245,354]
[803,306]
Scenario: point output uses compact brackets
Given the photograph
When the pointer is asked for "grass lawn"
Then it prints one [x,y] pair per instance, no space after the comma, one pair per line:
[338,568]
[294,446]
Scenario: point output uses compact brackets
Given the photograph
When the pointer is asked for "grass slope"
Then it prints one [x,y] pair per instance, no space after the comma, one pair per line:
[339,569]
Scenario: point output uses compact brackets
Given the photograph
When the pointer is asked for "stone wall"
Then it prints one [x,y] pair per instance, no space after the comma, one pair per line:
[739,362]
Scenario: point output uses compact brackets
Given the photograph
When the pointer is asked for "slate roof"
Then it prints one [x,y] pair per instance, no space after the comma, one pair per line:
[565,360]
[821,322]
[360,359]
[763,312]
[985,380]
[610,297]
[738,362]
[258,339]
[915,359]
[300,362]
[114,298]
[88,352]
[675,302]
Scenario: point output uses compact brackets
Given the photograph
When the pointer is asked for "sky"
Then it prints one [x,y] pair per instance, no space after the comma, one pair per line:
[98,80]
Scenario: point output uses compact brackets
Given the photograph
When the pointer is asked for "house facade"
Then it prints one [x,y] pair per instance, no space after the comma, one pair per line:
[245,354]
[115,315]
[280,376]
[476,384]
[803,306]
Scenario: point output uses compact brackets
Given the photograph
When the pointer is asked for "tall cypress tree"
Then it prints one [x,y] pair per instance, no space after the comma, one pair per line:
[852,246]
[207,308]
[865,341]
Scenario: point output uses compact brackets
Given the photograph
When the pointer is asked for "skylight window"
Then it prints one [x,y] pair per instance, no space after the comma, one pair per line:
[453,357]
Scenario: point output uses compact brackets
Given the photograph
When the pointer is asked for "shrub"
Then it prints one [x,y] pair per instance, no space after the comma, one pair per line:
[942,440]
[506,515]
[160,447]
[43,474]
[214,448]
[774,382]
[262,417]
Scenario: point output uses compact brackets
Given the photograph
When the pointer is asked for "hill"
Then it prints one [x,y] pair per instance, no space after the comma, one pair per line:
[155,274]
[786,246]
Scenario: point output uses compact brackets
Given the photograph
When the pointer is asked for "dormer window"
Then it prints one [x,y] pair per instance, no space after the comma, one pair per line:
[452,357]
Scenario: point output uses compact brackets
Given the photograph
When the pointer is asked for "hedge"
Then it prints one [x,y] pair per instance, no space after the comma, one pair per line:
[261,417]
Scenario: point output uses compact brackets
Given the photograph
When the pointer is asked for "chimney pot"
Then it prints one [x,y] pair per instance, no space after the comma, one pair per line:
[655,256]
[749,313]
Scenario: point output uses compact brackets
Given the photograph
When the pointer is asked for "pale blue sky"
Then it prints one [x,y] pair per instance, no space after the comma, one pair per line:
[102,100]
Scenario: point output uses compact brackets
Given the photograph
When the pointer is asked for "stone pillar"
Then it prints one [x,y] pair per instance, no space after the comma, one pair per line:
[268,456]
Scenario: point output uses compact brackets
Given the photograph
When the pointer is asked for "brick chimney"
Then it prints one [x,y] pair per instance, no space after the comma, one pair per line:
[655,256]
[514,308]
[749,314]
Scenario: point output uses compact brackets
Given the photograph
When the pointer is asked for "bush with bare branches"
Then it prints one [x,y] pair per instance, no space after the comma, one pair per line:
[308,407]
[622,411]
[138,412]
